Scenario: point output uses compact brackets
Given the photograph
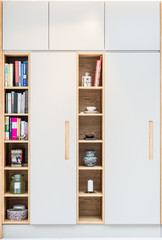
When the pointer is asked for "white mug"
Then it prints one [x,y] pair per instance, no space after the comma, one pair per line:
[91,109]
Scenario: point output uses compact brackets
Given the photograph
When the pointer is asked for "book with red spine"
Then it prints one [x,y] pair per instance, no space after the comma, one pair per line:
[98,72]
[14,128]
[16,73]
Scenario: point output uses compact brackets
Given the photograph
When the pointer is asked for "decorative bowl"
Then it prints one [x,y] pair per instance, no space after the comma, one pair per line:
[90,161]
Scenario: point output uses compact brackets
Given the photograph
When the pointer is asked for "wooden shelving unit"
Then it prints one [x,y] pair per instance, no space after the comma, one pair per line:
[11,199]
[90,206]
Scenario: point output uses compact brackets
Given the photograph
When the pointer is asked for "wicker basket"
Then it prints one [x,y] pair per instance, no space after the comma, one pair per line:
[17,215]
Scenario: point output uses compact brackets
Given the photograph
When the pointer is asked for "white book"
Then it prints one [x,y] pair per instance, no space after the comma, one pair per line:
[22,103]
[19,103]
[6,70]
[9,103]
[22,128]
[7,128]
[19,73]
[11,74]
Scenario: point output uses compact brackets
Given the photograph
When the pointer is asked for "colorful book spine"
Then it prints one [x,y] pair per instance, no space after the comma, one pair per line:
[10,128]
[19,103]
[6,105]
[9,103]
[19,74]
[26,101]
[24,73]
[6,70]
[22,68]
[16,73]
[26,131]
[97,73]
[14,128]
[7,128]
[12,101]
[8,75]
[11,74]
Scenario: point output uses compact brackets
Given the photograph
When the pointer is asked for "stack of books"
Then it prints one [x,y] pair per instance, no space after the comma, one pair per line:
[16,74]
[16,102]
[98,72]
[16,129]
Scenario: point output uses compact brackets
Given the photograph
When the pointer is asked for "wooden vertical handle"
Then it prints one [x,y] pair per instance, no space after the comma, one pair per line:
[66,140]
[150,140]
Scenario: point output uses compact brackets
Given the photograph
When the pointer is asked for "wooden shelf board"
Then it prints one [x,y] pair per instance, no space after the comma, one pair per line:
[90,115]
[16,88]
[16,141]
[90,141]
[90,88]
[6,221]
[90,220]
[90,168]
[8,194]
[96,194]
[15,168]
[16,114]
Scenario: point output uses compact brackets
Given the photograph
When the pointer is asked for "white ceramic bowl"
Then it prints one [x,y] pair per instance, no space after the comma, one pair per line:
[91,109]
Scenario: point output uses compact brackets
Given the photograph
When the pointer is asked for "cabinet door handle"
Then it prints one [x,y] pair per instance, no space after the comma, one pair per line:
[66,140]
[150,140]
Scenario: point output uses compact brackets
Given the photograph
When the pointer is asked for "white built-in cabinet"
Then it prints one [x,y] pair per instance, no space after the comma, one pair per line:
[132,25]
[132,99]
[25,25]
[76,25]
[53,102]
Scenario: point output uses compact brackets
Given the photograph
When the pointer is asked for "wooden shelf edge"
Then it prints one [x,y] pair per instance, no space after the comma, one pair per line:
[16,141]
[89,195]
[6,221]
[16,114]
[17,88]
[90,115]
[90,141]
[90,168]
[15,168]
[8,194]
[90,220]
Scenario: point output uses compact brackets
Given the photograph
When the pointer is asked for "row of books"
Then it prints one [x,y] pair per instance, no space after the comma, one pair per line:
[16,102]
[98,72]
[16,74]
[16,129]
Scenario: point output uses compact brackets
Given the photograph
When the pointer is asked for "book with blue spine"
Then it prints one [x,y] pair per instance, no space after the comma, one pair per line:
[22,69]
[24,74]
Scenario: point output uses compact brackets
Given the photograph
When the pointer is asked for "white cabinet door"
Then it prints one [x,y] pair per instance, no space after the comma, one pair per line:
[76,25]
[25,25]
[132,25]
[53,101]
[132,181]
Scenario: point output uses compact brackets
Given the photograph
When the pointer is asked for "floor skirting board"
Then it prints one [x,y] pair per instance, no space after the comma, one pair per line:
[81,231]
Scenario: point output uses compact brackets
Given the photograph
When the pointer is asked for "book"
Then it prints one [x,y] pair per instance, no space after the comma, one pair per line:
[16,73]
[10,128]
[24,73]
[19,74]
[9,103]
[16,157]
[22,128]
[11,74]
[14,128]
[97,72]
[12,102]
[6,74]
[7,127]
[22,66]
[6,103]
[19,103]
[15,102]
[26,101]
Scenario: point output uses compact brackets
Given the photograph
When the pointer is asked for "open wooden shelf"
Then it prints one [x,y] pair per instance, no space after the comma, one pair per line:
[90,220]
[8,194]
[9,168]
[96,194]
[12,199]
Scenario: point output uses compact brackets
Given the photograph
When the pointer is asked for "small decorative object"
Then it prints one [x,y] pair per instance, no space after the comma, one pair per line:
[90,159]
[86,80]
[16,157]
[91,109]
[90,185]
[17,213]
[25,164]
[17,185]
[90,137]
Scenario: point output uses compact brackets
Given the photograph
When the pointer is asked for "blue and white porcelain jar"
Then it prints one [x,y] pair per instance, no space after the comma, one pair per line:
[90,159]
[86,80]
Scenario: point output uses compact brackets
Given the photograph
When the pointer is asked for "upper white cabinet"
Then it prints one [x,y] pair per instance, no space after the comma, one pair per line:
[25,25]
[53,138]
[76,25]
[132,135]
[132,25]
